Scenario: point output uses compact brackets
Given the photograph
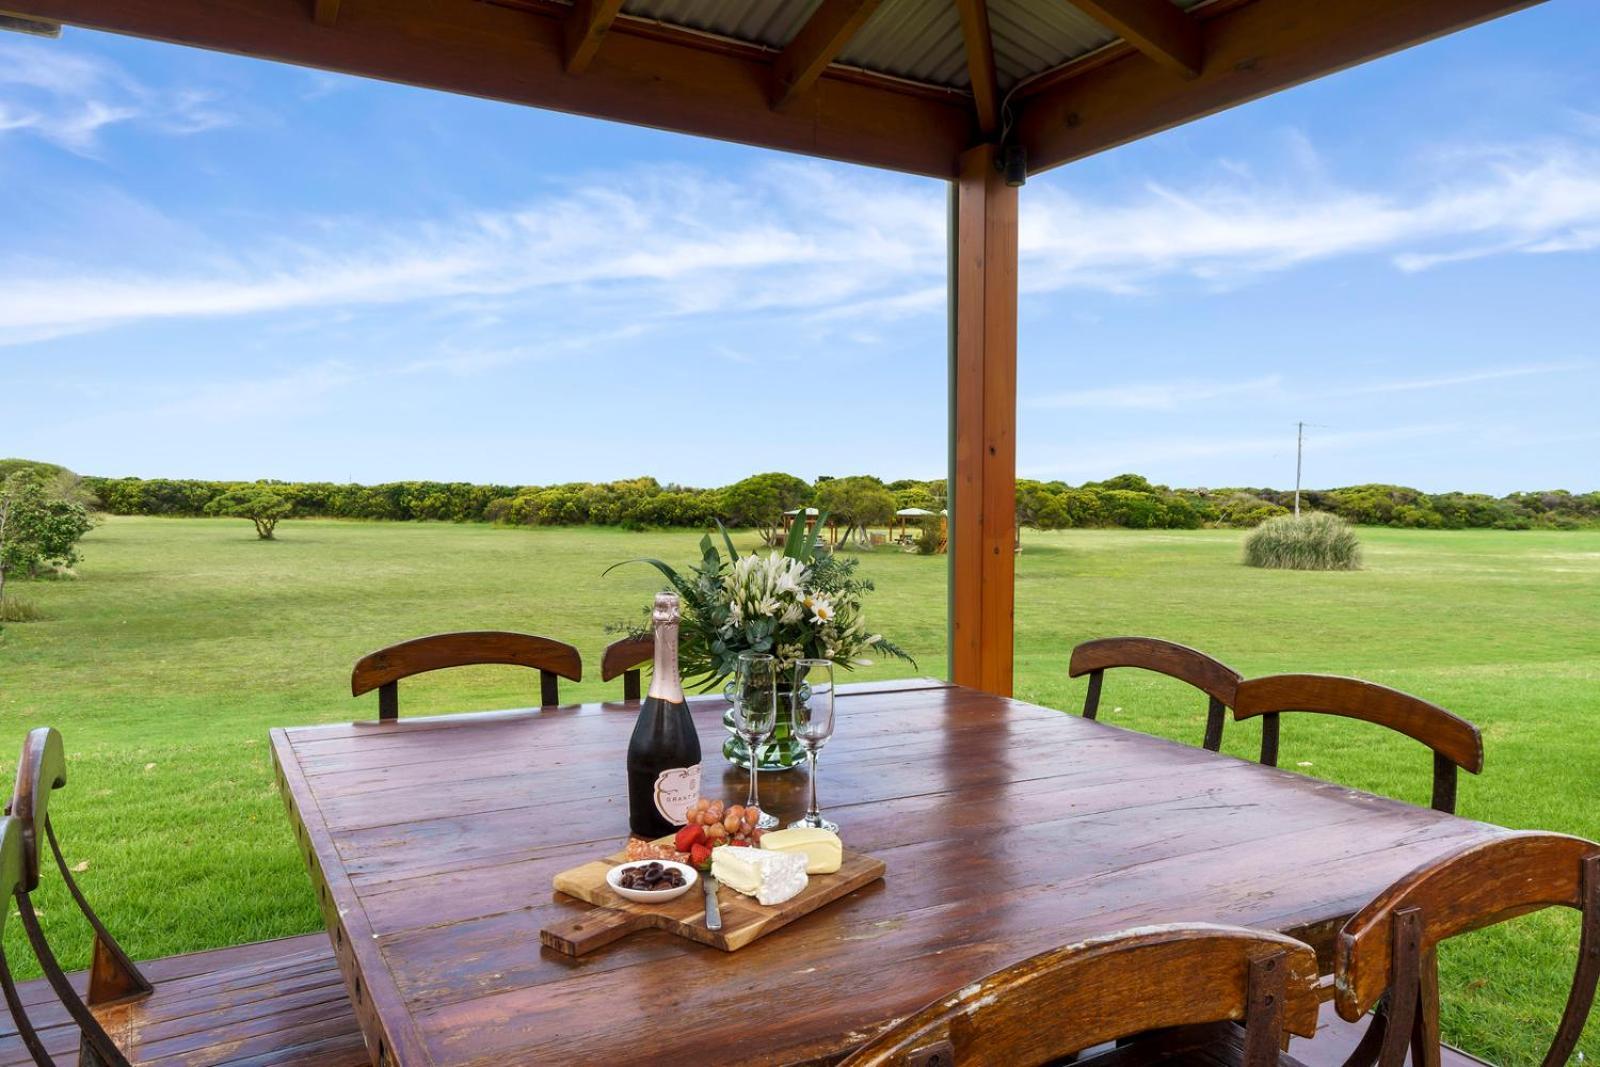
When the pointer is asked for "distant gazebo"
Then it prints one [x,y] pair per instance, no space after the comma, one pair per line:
[791,516]
[905,516]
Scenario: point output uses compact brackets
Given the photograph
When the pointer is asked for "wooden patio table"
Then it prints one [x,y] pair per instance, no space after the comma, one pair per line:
[1007,829]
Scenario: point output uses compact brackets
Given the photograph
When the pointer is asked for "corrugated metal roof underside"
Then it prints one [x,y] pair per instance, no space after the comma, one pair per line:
[1032,36]
[770,22]
[915,39]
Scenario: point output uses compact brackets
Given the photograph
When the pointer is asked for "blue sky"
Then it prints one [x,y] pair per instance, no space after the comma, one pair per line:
[216,267]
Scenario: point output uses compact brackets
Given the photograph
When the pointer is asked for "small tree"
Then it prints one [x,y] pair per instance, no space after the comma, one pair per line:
[761,500]
[261,504]
[36,529]
[857,502]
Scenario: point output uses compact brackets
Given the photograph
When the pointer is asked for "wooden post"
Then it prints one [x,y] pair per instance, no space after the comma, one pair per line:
[983,422]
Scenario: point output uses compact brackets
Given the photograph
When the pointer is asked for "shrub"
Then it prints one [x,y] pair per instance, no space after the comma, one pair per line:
[38,531]
[1315,541]
[16,609]
[930,535]
[498,509]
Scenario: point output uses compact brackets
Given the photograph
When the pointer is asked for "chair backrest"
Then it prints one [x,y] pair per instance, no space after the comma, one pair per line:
[41,770]
[383,669]
[625,657]
[12,878]
[1455,742]
[1073,998]
[1215,679]
[1389,945]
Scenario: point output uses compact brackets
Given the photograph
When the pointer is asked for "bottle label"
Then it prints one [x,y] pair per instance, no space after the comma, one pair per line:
[676,791]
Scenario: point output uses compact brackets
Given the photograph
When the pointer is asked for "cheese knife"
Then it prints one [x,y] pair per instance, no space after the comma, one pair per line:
[713,913]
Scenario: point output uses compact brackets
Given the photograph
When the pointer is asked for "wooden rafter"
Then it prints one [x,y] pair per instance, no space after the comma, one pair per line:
[1251,51]
[585,28]
[1158,28]
[819,41]
[518,56]
[980,64]
[325,12]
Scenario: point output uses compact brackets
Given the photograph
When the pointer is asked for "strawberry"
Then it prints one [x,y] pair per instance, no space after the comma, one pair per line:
[700,855]
[688,837]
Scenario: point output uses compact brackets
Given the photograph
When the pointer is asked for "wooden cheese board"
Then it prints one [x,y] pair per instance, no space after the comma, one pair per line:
[743,920]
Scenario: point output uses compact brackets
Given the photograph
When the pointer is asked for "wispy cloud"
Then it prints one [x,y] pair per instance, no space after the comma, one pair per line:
[1445,381]
[1535,198]
[836,248]
[1155,396]
[68,97]
[662,243]
[1190,394]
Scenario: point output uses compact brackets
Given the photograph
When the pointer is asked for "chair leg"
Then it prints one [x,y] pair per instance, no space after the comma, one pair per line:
[1216,715]
[1269,739]
[99,1050]
[1091,702]
[25,1030]
[112,975]
[1365,1054]
[1581,997]
[1405,988]
[1425,1033]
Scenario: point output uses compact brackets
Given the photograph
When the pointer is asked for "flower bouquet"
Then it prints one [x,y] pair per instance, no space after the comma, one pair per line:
[793,604]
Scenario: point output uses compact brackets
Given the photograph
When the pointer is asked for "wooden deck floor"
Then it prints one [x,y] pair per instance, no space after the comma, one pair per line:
[274,1002]
[1336,1039]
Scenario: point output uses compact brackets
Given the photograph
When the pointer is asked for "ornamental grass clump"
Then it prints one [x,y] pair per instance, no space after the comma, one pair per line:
[15,609]
[1315,541]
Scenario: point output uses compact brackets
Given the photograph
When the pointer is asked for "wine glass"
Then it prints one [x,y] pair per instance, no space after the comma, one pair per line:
[755,715]
[813,725]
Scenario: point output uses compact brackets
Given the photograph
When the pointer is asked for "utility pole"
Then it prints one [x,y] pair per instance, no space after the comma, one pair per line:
[1299,455]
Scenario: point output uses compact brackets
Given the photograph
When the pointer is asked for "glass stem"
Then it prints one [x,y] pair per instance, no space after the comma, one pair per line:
[754,799]
[812,814]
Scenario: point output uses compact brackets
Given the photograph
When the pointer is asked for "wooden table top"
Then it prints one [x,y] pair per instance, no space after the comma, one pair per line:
[1007,829]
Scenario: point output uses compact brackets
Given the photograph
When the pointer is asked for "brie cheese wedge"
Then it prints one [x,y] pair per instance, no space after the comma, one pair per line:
[821,848]
[770,877]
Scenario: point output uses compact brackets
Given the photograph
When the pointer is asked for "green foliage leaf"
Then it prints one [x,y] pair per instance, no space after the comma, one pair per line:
[727,539]
[684,588]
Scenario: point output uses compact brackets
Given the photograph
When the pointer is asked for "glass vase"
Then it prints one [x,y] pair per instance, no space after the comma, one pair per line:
[781,752]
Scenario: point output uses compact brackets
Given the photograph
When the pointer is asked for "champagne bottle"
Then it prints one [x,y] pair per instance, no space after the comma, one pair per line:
[664,753]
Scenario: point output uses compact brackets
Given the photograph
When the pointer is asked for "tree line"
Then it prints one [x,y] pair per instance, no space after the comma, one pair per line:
[856,501]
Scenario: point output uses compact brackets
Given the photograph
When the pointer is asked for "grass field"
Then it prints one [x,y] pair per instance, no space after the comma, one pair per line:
[184,640]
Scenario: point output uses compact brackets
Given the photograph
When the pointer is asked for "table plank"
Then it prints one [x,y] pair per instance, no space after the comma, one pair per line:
[1007,829]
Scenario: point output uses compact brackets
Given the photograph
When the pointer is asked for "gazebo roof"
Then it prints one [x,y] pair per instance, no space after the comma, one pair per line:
[903,84]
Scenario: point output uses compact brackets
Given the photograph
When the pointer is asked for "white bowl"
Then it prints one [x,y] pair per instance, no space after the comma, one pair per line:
[659,896]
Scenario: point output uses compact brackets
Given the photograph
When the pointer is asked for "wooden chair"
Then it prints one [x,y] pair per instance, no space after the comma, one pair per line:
[1386,955]
[625,657]
[1455,742]
[313,1025]
[41,770]
[11,881]
[1179,981]
[383,669]
[1216,680]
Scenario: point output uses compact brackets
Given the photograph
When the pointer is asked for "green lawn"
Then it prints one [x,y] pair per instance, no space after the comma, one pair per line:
[184,640]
